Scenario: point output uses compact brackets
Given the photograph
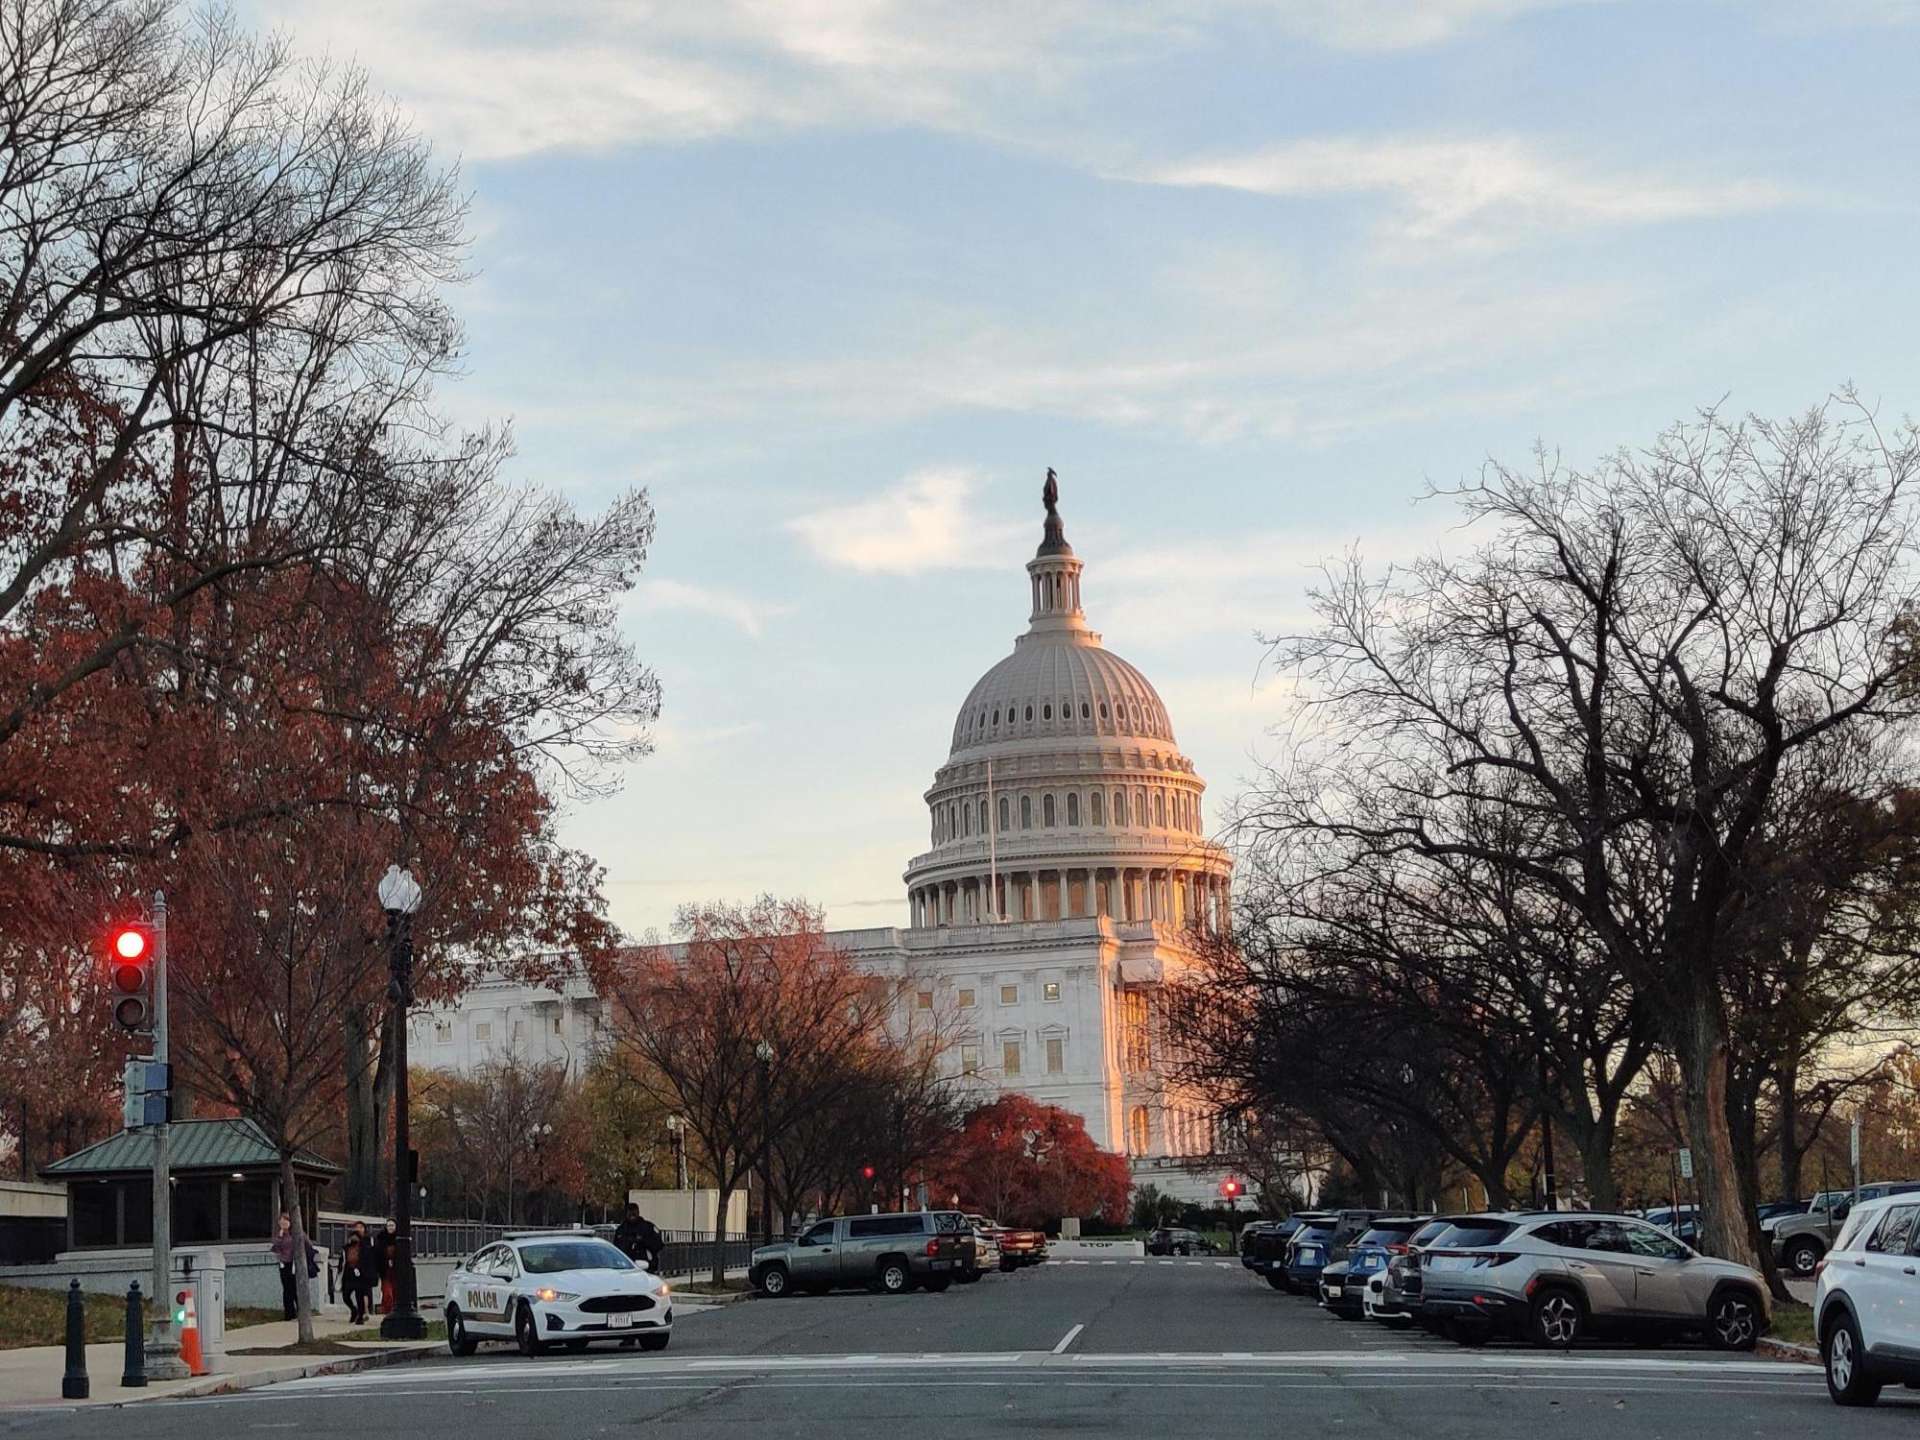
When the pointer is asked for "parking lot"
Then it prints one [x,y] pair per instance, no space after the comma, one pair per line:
[1129,1348]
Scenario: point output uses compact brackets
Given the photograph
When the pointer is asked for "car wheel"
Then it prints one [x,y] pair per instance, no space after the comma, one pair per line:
[459,1342]
[1845,1359]
[1278,1282]
[1556,1321]
[774,1282]
[526,1333]
[894,1276]
[1803,1257]
[655,1342]
[1733,1321]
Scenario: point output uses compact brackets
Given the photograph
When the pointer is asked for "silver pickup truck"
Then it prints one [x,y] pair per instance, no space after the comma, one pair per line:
[1799,1241]
[890,1253]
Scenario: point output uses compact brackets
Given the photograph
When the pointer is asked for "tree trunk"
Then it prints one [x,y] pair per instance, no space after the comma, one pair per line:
[302,1282]
[720,1234]
[361,1184]
[1594,1140]
[1791,1151]
[1725,1228]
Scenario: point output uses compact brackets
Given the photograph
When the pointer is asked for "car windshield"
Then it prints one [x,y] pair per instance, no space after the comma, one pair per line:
[551,1257]
[1386,1235]
[1430,1232]
[1315,1231]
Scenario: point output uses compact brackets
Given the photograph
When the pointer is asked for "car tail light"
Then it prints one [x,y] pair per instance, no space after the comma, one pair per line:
[933,1247]
[1398,1249]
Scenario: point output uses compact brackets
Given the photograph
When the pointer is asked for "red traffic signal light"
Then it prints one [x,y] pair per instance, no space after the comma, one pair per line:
[130,975]
[866,1172]
[1230,1188]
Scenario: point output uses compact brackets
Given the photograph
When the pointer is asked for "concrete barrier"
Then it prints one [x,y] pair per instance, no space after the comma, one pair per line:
[1096,1249]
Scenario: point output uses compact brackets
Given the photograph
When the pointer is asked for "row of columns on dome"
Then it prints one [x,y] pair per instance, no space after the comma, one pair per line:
[1171,897]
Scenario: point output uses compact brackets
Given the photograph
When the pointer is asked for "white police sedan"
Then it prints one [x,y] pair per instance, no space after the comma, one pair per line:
[561,1288]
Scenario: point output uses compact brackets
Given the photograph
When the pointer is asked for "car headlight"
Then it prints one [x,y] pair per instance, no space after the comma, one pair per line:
[665,1289]
[550,1295]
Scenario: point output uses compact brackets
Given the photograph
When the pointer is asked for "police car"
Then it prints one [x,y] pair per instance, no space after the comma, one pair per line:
[551,1289]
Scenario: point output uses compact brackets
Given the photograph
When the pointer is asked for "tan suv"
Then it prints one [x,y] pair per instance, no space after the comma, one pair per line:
[889,1253]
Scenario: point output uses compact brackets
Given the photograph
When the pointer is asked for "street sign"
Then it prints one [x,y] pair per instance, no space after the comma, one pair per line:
[145,1099]
[1686,1164]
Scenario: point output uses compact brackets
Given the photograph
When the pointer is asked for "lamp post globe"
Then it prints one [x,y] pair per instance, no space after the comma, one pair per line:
[399,895]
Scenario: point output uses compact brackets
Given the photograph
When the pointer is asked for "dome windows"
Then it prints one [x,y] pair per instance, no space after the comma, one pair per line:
[1046,811]
[1073,808]
[1003,812]
[1119,807]
[1029,714]
[1026,812]
[1046,712]
[1093,809]
[1103,710]
[1086,711]
[996,717]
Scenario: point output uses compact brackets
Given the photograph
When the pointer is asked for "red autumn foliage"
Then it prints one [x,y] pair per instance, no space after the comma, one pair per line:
[1024,1163]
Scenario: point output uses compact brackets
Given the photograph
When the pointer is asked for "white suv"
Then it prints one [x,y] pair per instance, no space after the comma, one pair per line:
[1866,1304]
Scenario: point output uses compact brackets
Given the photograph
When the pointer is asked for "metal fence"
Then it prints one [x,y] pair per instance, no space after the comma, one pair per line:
[687,1252]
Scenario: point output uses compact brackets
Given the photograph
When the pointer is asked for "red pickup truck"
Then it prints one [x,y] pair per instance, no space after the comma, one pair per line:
[1017,1247]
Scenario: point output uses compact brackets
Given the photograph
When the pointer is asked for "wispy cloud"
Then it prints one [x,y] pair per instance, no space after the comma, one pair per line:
[1485,189]
[750,616]
[924,523]
[497,80]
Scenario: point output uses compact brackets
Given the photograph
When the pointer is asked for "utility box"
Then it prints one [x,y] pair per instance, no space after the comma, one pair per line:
[1070,1227]
[203,1273]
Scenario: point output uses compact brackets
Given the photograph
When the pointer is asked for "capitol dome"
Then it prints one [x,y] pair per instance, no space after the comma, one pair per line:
[1065,794]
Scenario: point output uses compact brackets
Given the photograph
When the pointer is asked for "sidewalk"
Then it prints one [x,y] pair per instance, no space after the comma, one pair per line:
[31,1377]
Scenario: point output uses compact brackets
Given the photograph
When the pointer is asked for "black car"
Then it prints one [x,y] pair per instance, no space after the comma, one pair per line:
[1265,1250]
[1179,1242]
[1309,1251]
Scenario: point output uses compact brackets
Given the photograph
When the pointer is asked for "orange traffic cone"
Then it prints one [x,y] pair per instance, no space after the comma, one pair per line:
[189,1333]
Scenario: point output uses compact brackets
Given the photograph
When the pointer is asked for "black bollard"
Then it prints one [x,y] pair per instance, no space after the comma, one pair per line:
[74,1385]
[134,1375]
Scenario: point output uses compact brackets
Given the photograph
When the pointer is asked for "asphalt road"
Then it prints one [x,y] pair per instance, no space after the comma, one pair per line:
[1153,1350]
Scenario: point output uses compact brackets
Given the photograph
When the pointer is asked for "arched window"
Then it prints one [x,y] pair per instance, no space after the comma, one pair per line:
[953,820]
[1026,812]
[1086,711]
[983,817]
[1003,812]
[1029,714]
[1103,710]
[1046,712]
[1046,811]
[1093,809]
[996,717]
[1073,807]
[1140,806]
[1119,807]
[1160,808]
[966,820]
[1139,1130]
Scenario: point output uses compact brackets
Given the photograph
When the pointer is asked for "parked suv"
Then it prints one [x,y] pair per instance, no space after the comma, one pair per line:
[1800,1240]
[1394,1296]
[891,1253]
[1265,1250]
[1554,1277]
[1320,1243]
[1866,1305]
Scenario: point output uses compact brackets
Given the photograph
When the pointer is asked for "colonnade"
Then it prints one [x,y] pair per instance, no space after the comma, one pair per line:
[1169,895]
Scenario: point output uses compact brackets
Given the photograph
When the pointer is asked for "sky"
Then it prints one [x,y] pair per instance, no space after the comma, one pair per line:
[836,281]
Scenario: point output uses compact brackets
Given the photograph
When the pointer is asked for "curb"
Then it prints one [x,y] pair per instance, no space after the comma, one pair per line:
[254,1379]
[1789,1350]
[709,1302]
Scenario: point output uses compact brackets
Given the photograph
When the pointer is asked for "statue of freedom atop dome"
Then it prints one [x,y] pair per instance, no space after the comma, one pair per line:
[1050,492]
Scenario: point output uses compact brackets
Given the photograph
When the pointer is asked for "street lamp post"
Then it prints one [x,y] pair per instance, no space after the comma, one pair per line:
[400,897]
[536,1137]
[763,1052]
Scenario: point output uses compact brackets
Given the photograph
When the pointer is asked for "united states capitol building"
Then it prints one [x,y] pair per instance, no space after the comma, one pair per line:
[1066,877]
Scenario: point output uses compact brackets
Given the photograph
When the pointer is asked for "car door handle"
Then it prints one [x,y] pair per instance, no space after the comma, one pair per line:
[1647,1273]
[1907,1271]
[1862,1263]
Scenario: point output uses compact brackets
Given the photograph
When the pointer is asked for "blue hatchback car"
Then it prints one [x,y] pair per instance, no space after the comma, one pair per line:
[1308,1252]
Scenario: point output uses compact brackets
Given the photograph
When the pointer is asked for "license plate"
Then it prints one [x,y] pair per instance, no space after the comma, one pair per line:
[1333,1292]
[1309,1254]
[619,1320]
[1449,1262]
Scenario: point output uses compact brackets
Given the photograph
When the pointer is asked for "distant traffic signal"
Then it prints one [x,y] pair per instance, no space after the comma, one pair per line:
[130,976]
[866,1172]
[1230,1188]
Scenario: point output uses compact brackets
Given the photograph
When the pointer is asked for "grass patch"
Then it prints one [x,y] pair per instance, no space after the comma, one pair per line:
[39,1317]
[436,1330]
[1792,1321]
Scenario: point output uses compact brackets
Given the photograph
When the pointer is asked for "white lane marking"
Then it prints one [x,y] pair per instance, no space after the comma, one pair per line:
[1109,1262]
[1136,1262]
[1067,1339]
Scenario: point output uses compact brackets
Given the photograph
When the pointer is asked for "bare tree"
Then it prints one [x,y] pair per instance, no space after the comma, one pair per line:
[1633,664]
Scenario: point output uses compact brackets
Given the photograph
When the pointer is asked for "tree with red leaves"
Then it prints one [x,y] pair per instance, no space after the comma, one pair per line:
[1025,1163]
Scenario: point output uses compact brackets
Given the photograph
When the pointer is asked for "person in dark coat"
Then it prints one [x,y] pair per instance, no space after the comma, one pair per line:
[283,1251]
[627,1237]
[383,1267]
[356,1279]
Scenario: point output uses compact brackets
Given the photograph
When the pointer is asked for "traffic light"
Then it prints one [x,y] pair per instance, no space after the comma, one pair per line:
[130,976]
[1230,1189]
[180,1307]
[866,1172]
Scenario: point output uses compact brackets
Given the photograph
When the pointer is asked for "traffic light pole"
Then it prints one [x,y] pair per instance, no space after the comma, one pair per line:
[163,1345]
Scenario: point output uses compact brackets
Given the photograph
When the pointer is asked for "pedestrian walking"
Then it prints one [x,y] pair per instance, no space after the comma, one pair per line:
[283,1251]
[652,1242]
[384,1246]
[356,1279]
